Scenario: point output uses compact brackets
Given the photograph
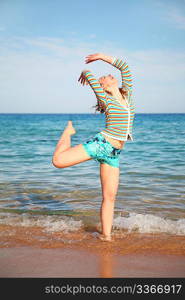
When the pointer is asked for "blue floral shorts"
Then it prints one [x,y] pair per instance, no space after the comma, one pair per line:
[102,151]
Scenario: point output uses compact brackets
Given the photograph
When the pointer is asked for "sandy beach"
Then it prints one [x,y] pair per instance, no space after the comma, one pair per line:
[31,252]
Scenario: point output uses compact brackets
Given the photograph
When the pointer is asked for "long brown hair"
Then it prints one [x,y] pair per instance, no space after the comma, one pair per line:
[99,107]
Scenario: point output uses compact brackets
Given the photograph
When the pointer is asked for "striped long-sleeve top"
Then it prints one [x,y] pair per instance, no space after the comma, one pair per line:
[119,118]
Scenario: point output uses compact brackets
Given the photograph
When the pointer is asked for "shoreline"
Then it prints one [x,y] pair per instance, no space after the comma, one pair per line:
[86,238]
[123,242]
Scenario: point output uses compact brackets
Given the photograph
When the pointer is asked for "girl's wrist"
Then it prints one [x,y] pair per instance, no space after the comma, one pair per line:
[102,56]
[107,58]
[85,71]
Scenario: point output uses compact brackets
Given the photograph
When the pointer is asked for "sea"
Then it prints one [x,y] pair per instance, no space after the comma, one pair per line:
[151,194]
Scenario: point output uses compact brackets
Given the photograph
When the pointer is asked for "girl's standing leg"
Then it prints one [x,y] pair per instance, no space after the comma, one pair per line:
[109,181]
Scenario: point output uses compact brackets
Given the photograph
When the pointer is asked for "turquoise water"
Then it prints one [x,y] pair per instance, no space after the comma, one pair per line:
[152,168]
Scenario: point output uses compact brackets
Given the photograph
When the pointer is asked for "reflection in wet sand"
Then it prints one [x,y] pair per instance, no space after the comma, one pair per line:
[106,265]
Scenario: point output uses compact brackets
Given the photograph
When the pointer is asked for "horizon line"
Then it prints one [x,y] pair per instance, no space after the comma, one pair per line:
[38,113]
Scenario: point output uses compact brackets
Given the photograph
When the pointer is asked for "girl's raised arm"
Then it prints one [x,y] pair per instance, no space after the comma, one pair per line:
[119,64]
[125,73]
[88,78]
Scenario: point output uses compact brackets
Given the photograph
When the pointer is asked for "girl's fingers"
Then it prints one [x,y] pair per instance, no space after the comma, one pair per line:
[82,79]
[89,61]
[90,58]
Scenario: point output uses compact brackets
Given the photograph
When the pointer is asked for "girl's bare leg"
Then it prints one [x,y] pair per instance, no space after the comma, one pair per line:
[65,140]
[64,155]
[109,180]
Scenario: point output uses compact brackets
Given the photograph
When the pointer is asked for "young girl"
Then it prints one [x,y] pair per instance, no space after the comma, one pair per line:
[105,147]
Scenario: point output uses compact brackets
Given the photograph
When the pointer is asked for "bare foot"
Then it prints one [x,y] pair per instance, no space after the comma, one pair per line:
[105,238]
[69,128]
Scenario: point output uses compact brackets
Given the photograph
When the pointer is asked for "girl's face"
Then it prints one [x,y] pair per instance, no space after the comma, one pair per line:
[108,81]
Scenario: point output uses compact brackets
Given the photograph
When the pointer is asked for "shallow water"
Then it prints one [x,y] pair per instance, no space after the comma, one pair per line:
[151,196]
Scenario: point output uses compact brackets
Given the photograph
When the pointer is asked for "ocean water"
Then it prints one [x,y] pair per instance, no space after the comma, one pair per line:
[151,195]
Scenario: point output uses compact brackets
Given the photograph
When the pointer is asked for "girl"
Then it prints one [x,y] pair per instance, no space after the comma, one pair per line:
[105,147]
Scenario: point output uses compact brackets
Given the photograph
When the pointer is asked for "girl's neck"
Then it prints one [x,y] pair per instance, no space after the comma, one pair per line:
[115,92]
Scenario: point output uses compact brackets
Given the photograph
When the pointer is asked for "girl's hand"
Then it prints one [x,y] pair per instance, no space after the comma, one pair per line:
[93,57]
[82,78]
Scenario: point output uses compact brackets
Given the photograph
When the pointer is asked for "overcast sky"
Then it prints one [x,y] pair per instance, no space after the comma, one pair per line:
[43,45]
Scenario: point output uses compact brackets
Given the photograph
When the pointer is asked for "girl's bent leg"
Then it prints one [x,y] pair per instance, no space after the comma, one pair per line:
[109,180]
[65,140]
[64,155]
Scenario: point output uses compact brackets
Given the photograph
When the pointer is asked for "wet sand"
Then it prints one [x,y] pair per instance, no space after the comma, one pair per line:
[66,262]
[32,252]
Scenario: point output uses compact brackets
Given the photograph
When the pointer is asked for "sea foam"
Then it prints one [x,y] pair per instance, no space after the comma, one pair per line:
[146,223]
[49,223]
[134,222]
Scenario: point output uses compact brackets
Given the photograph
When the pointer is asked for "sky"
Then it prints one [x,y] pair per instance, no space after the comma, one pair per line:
[43,45]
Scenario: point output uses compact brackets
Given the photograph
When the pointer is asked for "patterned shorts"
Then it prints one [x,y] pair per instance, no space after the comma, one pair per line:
[102,151]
